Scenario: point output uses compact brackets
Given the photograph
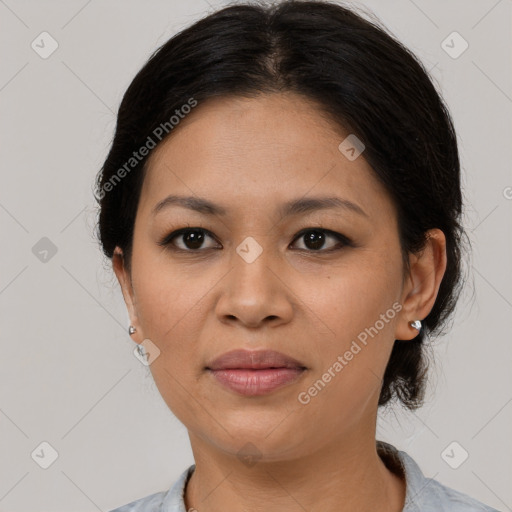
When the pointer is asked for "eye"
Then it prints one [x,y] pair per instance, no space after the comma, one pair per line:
[191,239]
[315,239]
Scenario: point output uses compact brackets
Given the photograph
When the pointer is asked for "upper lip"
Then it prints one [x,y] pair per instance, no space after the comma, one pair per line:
[253,359]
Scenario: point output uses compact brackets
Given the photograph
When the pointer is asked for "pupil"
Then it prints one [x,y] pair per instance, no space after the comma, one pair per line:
[314,239]
[193,239]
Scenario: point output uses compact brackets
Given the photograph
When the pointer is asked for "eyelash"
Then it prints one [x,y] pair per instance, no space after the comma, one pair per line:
[342,239]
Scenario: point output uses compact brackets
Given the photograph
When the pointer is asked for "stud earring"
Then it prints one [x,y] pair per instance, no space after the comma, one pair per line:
[416,324]
[131,330]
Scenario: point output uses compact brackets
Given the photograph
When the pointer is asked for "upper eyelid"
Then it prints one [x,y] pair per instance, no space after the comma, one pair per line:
[338,236]
[179,232]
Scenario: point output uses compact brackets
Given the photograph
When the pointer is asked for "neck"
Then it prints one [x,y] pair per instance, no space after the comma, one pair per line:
[343,476]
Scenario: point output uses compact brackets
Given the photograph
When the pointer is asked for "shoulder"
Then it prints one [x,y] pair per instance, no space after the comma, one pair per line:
[426,494]
[152,503]
[164,501]
[439,497]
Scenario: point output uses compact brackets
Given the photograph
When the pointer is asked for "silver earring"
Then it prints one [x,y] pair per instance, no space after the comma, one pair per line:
[416,324]
[131,329]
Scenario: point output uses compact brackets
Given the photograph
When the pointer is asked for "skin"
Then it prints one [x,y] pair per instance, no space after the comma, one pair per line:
[250,156]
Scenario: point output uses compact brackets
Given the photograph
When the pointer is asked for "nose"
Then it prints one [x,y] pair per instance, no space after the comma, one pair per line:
[255,293]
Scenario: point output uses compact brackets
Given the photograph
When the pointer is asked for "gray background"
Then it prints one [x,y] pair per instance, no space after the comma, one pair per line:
[69,376]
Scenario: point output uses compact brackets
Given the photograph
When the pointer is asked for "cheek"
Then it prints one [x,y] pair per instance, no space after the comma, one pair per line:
[354,312]
[353,332]
[169,306]
[344,301]
[167,295]
[170,312]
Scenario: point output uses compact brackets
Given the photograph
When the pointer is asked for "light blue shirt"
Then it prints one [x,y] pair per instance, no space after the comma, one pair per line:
[422,494]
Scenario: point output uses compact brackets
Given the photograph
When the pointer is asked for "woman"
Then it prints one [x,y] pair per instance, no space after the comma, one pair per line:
[282,205]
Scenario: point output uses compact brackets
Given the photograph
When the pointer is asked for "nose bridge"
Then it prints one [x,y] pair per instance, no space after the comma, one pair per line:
[251,261]
[253,292]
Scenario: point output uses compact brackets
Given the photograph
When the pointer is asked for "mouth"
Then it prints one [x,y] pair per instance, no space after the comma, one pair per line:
[255,373]
[253,360]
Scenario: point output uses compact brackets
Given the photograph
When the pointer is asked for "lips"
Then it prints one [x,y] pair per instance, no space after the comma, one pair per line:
[253,373]
[253,360]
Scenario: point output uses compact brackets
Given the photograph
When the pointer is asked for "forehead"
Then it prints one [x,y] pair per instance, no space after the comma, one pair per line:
[271,147]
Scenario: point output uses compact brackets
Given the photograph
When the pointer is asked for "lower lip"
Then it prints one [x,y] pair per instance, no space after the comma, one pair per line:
[256,382]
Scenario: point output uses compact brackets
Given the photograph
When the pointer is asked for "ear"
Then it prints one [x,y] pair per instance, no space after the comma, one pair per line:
[421,287]
[125,282]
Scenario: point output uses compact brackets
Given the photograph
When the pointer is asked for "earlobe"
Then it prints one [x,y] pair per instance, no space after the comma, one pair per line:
[427,269]
[124,280]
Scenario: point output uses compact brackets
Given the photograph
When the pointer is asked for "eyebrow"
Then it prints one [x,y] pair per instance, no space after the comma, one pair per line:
[294,207]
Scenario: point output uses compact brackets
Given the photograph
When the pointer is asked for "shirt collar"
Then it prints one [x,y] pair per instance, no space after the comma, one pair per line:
[397,461]
[415,482]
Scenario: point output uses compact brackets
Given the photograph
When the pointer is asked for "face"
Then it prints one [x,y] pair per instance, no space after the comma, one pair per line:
[311,282]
